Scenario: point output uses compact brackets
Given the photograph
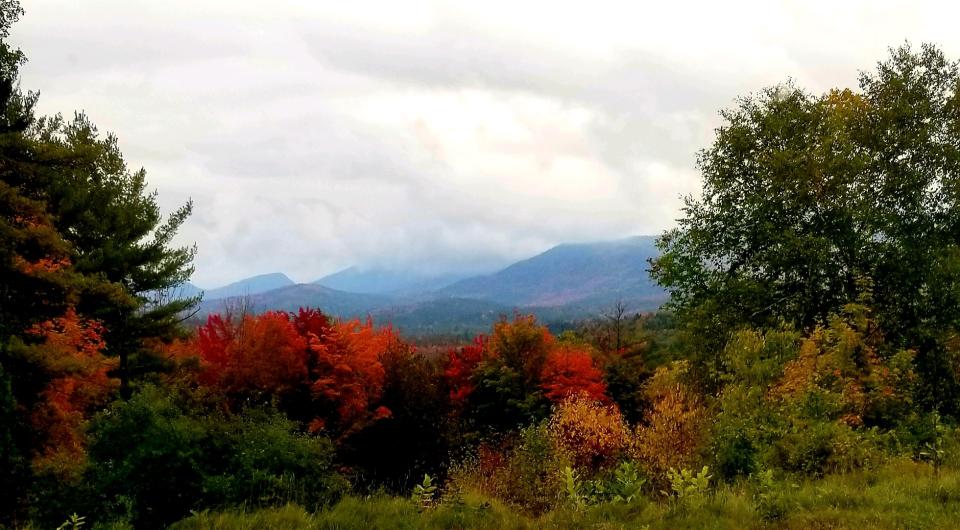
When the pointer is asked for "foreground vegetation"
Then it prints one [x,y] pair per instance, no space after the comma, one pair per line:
[806,372]
[900,494]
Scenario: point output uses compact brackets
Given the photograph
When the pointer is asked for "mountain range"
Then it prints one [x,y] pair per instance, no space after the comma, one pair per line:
[565,283]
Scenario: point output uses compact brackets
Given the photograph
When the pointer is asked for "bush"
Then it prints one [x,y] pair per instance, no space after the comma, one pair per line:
[819,448]
[590,435]
[523,471]
[159,456]
[675,430]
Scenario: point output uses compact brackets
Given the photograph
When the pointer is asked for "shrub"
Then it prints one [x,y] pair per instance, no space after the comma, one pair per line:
[522,471]
[818,448]
[675,429]
[589,434]
[162,455]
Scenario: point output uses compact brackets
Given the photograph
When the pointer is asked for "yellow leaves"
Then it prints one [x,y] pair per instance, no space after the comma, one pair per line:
[842,361]
[589,434]
[674,432]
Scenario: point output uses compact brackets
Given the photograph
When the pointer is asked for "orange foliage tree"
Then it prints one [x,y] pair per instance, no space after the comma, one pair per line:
[570,371]
[337,364]
[590,434]
[70,350]
[461,363]
[348,373]
[263,354]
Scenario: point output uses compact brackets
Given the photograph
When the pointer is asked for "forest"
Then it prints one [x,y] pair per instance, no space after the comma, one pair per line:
[805,372]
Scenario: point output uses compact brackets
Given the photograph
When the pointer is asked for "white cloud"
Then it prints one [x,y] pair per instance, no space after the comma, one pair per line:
[317,135]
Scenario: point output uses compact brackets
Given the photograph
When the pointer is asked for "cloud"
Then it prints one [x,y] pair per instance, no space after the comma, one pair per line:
[317,135]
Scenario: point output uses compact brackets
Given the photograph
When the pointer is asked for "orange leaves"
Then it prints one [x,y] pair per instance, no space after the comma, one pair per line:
[42,265]
[261,354]
[268,355]
[460,366]
[521,365]
[557,369]
[71,343]
[841,361]
[349,372]
[338,363]
[71,352]
[569,372]
[590,434]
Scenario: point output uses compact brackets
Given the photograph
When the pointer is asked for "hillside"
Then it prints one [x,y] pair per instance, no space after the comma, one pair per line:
[383,281]
[565,283]
[589,275]
[290,298]
[249,286]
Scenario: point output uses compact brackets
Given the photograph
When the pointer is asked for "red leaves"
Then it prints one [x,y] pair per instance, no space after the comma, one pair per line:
[570,372]
[268,355]
[311,322]
[460,366]
[71,351]
[263,353]
[213,339]
[559,369]
[348,371]
[338,363]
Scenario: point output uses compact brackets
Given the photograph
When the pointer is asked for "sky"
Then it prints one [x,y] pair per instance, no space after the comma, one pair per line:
[432,136]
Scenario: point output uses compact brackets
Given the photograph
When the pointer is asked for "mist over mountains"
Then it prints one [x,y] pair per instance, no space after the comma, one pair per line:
[565,283]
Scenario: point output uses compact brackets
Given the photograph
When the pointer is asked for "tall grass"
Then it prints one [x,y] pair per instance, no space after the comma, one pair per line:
[901,494]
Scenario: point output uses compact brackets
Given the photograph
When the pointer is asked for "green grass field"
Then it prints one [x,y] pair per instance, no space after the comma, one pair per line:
[901,494]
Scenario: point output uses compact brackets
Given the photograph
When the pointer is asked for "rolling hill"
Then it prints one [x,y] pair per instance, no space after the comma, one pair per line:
[383,281]
[249,286]
[292,297]
[565,283]
[588,275]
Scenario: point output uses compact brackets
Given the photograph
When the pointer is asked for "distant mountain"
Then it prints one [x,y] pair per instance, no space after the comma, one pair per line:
[249,286]
[382,281]
[588,275]
[293,297]
[562,285]
[186,290]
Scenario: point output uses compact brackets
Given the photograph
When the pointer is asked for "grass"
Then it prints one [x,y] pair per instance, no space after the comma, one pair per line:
[902,494]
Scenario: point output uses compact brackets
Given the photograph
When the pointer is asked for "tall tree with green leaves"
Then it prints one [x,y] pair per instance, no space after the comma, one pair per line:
[117,233]
[805,198]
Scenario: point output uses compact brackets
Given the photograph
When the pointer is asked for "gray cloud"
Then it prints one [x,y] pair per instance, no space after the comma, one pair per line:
[317,135]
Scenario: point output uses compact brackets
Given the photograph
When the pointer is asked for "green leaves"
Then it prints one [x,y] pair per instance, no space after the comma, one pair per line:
[686,485]
[805,196]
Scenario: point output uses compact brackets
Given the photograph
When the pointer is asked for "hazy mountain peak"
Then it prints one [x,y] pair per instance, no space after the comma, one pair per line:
[388,281]
[249,286]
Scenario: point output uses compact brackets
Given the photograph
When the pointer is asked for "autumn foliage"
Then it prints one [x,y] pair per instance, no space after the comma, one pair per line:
[571,372]
[274,354]
[530,352]
[675,429]
[461,363]
[70,349]
[348,373]
[589,434]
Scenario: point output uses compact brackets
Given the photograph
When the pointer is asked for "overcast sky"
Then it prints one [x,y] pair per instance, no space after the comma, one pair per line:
[317,135]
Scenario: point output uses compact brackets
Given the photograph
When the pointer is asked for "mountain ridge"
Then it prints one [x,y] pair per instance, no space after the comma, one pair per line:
[565,282]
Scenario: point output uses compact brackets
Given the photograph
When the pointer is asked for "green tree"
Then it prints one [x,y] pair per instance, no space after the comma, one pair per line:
[116,233]
[806,196]
[77,229]
[103,211]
